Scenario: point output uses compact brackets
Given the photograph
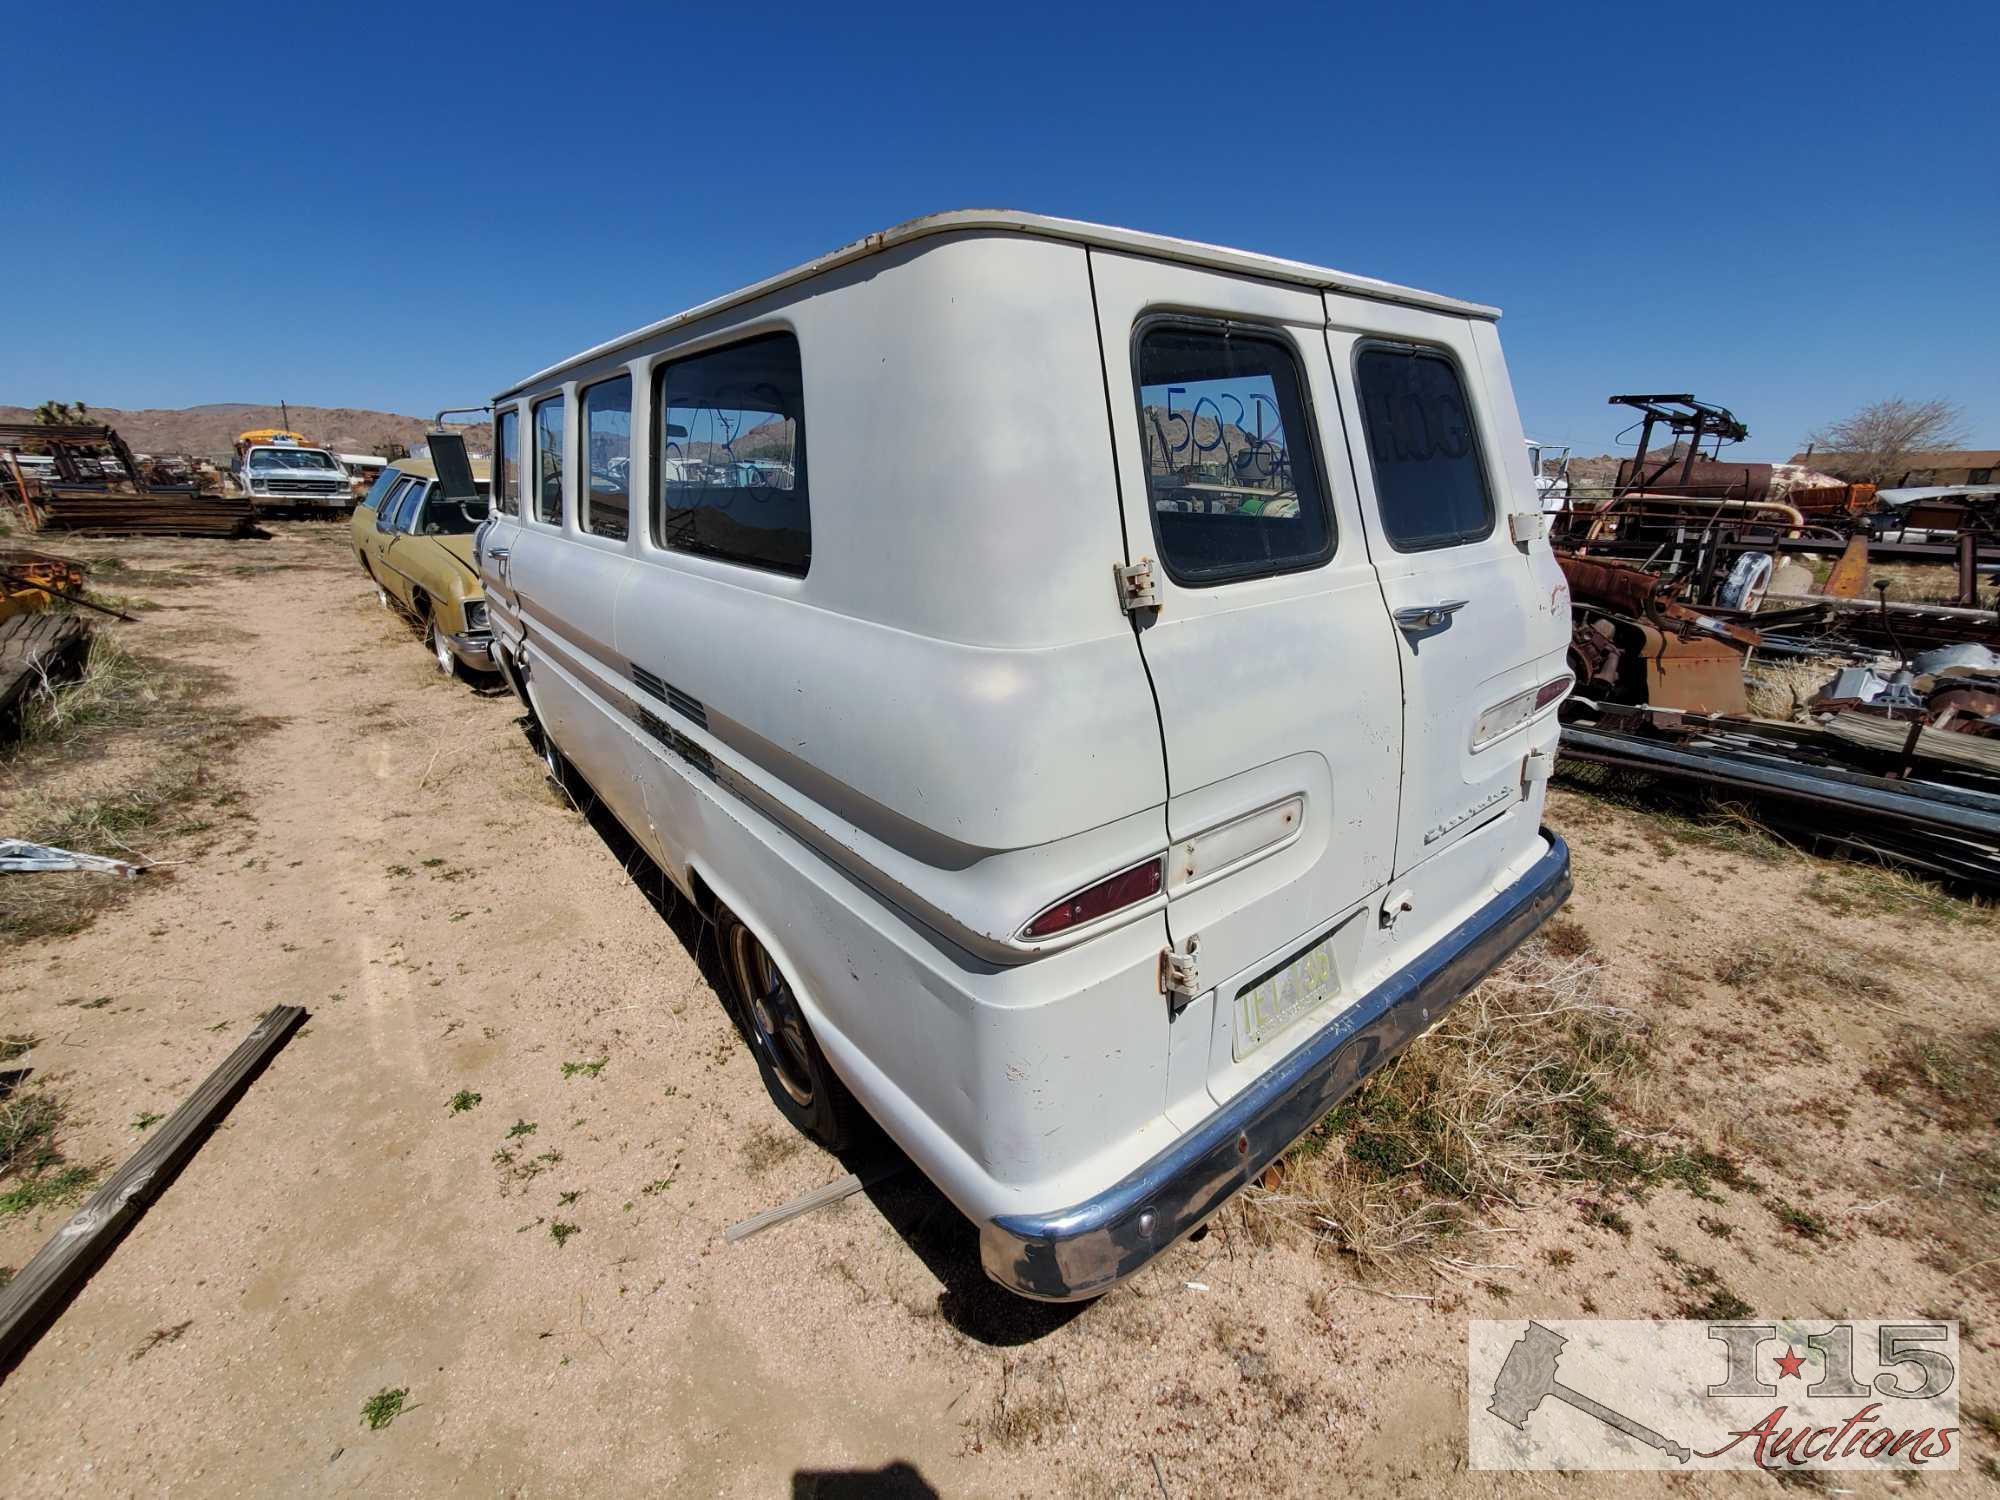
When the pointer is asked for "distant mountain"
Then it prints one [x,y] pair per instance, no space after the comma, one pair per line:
[210,431]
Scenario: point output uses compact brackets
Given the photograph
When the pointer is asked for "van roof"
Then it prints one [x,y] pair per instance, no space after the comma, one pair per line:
[1076,231]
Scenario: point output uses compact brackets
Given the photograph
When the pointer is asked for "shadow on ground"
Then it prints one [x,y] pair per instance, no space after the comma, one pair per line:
[896,1481]
[941,1237]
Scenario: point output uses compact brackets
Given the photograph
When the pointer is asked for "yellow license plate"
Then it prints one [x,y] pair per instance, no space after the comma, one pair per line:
[1271,1004]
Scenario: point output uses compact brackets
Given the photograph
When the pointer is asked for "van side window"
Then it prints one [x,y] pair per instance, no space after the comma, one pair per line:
[549,460]
[731,476]
[1231,478]
[1429,481]
[507,461]
[607,456]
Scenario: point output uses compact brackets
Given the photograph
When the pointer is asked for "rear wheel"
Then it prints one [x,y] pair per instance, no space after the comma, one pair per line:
[796,1073]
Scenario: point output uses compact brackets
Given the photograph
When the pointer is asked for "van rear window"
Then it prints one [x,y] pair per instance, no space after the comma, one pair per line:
[1230,474]
[730,480]
[1430,485]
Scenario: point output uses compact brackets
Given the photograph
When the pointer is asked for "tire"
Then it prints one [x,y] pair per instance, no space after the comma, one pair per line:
[796,1073]
[440,652]
[553,760]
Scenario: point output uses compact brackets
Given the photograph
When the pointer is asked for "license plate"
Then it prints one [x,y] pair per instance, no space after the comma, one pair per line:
[1271,1004]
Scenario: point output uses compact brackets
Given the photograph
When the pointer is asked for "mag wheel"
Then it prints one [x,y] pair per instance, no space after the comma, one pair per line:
[796,1073]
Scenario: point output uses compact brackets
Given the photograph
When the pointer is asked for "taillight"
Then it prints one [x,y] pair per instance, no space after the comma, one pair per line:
[1508,715]
[1553,689]
[1113,893]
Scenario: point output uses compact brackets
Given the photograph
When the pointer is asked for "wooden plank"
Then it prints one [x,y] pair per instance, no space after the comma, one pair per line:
[805,1203]
[1971,752]
[59,1270]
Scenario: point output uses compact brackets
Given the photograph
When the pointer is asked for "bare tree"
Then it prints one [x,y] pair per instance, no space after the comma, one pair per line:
[1877,445]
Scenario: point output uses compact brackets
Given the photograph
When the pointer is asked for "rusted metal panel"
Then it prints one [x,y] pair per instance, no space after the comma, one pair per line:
[1850,574]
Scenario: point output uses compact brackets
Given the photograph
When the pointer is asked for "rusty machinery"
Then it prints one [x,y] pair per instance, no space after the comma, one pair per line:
[1632,640]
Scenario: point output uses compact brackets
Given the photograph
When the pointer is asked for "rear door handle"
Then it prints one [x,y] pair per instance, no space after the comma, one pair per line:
[1429,616]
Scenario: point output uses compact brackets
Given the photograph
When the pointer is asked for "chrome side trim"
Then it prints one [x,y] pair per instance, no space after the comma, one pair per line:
[1081,1251]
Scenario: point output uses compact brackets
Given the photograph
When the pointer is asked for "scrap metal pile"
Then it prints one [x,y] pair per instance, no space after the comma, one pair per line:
[97,487]
[38,643]
[1895,755]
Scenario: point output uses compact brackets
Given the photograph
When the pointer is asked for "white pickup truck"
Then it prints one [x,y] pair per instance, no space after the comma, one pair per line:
[288,475]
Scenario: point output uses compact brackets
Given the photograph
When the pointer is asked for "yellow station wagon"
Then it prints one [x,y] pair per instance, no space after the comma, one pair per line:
[415,542]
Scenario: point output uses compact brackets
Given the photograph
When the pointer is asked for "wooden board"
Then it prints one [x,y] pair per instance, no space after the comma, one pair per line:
[60,1268]
[1969,752]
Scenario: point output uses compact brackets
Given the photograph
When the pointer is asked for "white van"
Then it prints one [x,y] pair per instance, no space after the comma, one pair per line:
[1101,688]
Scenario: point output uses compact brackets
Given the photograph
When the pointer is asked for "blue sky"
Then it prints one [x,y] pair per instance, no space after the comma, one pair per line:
[1790,209]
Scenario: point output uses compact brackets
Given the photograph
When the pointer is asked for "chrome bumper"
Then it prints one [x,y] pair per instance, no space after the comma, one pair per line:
[474,649]
[1080,1251]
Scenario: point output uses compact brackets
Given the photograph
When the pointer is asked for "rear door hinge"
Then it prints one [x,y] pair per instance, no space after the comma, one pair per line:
[1138,588]
[1180,974]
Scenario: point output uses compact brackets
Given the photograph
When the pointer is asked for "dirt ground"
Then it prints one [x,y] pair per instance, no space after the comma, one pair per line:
[397,864]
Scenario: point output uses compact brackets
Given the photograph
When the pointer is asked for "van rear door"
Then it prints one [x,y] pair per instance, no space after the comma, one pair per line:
[1482,620]
[1273,662]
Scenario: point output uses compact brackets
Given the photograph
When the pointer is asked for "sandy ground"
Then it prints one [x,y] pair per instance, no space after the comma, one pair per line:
[399,867]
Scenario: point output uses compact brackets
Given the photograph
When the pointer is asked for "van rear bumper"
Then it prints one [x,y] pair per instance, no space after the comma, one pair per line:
[1081,1251]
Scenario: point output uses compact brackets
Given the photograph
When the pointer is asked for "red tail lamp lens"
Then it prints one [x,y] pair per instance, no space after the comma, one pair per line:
[1551,690]
[1094,901]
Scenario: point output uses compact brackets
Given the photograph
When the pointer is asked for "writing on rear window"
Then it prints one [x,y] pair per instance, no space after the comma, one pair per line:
[1429,481]
[1231,484]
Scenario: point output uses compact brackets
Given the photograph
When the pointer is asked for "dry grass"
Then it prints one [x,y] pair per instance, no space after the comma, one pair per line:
[1780,688]
[1522,1087]
[121,762]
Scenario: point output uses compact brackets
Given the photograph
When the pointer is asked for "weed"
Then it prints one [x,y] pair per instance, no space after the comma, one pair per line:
[399,871]
[560,1232]
[59,1189]
[1801,1222]
[1715,1227]
[432,863]
[1565,937]
[657,1186]
[16,1046]
[587,1069]
[1519,1087]
[1559,1257]
[146,1120]
[179,727]
[520,1128]
[1718,1305]
[1745,966]
[97,1004]
[566,1199]
[1604,1216]
[382,1408]
[764,1148]
[29,1120]
[1952,1080]
[464,1100]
